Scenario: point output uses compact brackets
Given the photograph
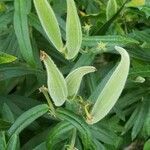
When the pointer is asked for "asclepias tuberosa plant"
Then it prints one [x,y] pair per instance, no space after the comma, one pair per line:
[63,89]
[65,104]
[65,82]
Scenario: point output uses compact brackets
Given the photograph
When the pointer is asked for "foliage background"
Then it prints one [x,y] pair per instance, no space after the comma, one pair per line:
[21,35]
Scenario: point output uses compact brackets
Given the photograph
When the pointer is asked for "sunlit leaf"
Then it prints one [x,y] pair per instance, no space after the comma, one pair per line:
[6,58]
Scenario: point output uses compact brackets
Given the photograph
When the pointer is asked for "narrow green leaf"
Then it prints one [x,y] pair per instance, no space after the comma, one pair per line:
[57,86]
[112,89]
[74,79]
[104,135]
[56,132]
[129,124]
[109,40]
[49,23]
[17,70]
[6,58]
[22,30]
[79,123]
[139,53]
[140,119]
[111,9]
[12,143]
[27,118]
[73,30]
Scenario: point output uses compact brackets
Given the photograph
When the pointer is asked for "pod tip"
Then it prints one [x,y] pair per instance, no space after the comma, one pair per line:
[89,121]
[43,55]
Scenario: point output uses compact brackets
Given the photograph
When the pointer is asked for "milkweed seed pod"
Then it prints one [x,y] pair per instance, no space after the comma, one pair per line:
[74,79]
[55,81]
[49,23]
[73,31]
[112,90]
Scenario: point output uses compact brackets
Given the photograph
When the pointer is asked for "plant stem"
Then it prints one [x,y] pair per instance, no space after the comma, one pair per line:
[45,93]
[89,117]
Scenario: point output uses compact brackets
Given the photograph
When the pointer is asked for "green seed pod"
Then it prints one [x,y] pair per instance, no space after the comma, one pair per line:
[49,23]
[73,31]
[112,90]
[111,9]
[56,83]
[74,79]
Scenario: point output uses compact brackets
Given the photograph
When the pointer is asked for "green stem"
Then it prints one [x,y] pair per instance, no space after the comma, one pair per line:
[88,115]
[45,93]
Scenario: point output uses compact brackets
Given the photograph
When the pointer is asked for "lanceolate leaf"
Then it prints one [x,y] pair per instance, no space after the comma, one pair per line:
[74,79]
[57,86]
[22,31]
[113,88]
[49,23]
[73,30]
[55,133]
[27,118]
[109,40]
[111,8]
[82,127]
[17,70]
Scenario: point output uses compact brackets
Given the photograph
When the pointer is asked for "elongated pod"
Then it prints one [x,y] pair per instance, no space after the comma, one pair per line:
[111,8]
[56,83]
[73,31]
[112,90]
[49,23]
[74,79]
